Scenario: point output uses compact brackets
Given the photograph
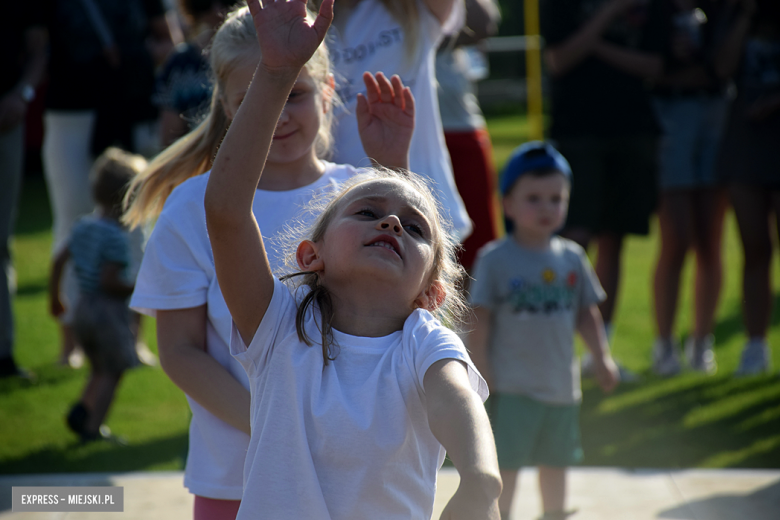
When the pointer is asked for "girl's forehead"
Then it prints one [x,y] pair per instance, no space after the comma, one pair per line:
[389,190]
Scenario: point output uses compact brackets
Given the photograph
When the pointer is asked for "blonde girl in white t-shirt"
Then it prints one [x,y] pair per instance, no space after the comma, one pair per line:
[357,388]
[177,282]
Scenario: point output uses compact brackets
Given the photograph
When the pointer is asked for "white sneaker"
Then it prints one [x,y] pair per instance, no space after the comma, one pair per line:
[700,355]
[756,359]
[666,361]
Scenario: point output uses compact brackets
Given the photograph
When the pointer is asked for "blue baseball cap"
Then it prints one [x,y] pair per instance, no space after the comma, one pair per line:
[531,156]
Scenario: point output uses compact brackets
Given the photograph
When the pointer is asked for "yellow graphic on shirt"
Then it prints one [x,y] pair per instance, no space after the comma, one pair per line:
[548,275]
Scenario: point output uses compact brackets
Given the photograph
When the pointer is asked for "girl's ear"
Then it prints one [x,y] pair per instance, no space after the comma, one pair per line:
[327,94]
[431,298]
[308,256]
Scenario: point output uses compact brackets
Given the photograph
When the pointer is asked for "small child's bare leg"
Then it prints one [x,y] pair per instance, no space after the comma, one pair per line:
[68,347]
[509,479]
[105,385]
[552,484]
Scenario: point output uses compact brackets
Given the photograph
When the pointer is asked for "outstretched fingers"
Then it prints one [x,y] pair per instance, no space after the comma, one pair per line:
[385,88]
[372,87]
[408,101]
[324,18]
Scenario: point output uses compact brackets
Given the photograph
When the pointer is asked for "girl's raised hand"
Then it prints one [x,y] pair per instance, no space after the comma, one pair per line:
[286,38]
[385,117]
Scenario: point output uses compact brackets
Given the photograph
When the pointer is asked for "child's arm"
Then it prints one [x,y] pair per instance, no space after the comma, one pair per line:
[591,328]
[287,42]
[478,342]
[458,420]
[112,281]
[58,266]
[181,339]
[385,117]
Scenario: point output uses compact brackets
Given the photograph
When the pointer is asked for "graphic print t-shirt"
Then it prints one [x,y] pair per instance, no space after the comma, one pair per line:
[534,298]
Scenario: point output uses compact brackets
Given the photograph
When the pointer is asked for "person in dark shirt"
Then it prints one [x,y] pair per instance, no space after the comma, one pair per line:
[23,55]
[691,100]
[750,165]
[599,55]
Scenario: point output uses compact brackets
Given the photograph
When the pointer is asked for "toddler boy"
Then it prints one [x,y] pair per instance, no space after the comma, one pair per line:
[99,248]
[532,291]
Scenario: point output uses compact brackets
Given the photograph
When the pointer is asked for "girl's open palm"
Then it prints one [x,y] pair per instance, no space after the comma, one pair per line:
[287,40]
[385,117]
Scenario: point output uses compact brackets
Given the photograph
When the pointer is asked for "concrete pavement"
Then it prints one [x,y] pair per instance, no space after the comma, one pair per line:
[595,494]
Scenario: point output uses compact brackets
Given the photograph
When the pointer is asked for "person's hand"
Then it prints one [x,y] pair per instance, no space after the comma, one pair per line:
[287,40]
[606,372]
[469,504]
[385,117]
[12,110]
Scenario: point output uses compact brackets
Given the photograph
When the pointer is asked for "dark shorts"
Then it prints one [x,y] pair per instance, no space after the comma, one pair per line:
[102,328]
[531,433]
[614,186]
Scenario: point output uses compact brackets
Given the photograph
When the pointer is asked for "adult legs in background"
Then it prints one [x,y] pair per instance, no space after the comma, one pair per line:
[11,153]
[708,215]
[608,268]
[675,227]
[688,218]
[67,161]
[753,206]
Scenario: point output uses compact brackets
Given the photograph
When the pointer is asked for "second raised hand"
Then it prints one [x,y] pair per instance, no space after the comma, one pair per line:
[385,117]
[287,39]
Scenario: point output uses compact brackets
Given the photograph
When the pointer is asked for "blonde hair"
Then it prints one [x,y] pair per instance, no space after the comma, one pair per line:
[112,173]
[446,271]
[234,44]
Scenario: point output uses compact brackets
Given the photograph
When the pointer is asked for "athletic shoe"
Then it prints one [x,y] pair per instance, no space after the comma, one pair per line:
[666,362]
[76,418]
[700,355]
[756,359]
[103,434]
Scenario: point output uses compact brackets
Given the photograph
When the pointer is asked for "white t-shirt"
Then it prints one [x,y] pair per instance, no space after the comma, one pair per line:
[349,440]
[372,40]
[177,272]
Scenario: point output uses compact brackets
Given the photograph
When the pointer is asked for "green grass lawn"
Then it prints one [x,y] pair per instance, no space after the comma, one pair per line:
[686,421]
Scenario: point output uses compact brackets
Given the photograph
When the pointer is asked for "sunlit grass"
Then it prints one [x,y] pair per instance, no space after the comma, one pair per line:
[687,421]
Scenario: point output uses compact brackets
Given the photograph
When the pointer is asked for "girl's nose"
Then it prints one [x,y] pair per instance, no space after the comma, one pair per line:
[392,224]
[283,118]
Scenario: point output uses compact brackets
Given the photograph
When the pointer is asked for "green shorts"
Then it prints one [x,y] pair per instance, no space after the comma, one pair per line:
[531,433]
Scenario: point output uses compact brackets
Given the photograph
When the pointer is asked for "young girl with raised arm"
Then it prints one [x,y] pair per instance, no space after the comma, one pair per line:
[357,389]
[177,282]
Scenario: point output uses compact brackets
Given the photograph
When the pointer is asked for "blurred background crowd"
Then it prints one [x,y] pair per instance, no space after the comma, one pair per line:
[667,107]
